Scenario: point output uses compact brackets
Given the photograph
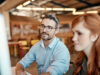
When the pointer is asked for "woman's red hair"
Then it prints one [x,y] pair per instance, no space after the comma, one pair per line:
[91,22]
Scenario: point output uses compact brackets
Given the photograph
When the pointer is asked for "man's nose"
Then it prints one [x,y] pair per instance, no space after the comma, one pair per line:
[45,29]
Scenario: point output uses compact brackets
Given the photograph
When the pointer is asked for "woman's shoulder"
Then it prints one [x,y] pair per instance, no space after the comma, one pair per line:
[73,68]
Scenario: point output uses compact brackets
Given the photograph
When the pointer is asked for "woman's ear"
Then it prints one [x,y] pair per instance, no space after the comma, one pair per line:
[94,37]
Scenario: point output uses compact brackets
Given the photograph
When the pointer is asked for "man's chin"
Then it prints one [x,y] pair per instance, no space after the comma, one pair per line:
[46,39]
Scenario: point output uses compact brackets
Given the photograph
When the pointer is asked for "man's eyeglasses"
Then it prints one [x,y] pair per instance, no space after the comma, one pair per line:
[49,28]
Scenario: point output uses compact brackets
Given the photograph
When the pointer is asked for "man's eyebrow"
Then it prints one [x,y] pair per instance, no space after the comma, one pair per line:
[47,25]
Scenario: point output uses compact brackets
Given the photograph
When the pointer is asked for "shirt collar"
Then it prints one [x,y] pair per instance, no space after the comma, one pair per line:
[42,44]
[51,45]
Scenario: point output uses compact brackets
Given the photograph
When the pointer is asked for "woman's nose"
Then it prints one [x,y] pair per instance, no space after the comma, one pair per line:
[74,37]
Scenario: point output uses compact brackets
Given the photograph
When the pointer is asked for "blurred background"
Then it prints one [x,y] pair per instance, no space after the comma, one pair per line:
[21,18]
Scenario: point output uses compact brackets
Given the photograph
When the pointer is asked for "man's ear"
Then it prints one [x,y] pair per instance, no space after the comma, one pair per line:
[57,31]
[94,37]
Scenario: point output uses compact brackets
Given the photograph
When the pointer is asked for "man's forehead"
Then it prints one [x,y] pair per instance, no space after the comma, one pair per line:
[47,21]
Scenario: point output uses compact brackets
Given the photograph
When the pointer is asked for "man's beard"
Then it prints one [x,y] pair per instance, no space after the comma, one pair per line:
[46,39]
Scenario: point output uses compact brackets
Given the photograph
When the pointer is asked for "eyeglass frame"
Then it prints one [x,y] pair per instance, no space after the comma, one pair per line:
[46,27]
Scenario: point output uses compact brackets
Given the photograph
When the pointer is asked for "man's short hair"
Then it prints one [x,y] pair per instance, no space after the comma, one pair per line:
[52,17]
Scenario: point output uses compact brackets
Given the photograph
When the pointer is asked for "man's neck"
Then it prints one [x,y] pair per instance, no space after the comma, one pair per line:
[47,42]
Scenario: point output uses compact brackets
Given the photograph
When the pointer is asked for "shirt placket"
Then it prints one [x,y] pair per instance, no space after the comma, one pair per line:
[45,60]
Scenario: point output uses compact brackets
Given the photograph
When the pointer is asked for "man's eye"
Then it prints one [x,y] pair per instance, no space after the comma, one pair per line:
[50,27]
[43,26]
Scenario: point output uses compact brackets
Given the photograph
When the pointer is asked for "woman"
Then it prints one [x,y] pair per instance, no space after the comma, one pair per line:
[86,29]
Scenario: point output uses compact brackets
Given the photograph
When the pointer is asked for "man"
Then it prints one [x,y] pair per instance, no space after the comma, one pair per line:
[50,53]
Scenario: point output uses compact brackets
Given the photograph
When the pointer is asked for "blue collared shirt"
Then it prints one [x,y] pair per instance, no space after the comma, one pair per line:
[54,59]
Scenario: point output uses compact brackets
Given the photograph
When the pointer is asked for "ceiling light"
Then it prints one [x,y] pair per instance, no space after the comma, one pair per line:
[23,8]
[45,9]
[26,3]
[78,13]
[32,0]
[58,9]
[48,9]
[19,7]
[69,9]
[27,8]
[40,9]
[92,12]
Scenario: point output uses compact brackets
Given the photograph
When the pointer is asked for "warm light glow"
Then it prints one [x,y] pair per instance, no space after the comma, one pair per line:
[69,9]
[58,9]
[74,12]
[92,12]
[23,8]
[27,8]
[77,13]
[45,9]
[48,9]
[14,13]
[26,3]
[40,9]
[20,6]
[32,0]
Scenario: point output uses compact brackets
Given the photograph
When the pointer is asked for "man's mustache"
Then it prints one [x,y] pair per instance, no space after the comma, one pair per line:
[44,33]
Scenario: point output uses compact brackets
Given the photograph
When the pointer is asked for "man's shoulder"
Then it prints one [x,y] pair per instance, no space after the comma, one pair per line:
[60,44]
[36,45]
